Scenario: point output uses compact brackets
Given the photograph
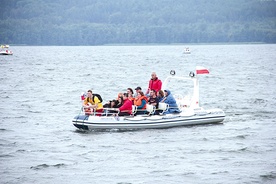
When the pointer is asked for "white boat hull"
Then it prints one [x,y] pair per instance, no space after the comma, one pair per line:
[191,112]
[6,52]
[147,122]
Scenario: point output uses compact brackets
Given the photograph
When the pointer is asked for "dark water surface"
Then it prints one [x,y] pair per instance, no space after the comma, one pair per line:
[40,94]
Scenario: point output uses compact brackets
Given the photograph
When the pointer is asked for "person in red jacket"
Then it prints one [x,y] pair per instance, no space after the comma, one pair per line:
[154,83]
[126,108]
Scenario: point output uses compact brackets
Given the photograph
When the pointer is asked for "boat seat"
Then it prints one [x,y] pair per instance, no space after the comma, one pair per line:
[134,109]
[163,107]
[150,108]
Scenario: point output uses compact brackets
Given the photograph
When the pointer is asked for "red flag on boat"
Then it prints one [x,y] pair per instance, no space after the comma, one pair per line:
[83,96]
[201,70]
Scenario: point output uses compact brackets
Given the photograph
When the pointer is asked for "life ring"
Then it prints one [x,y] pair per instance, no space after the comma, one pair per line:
[172,72]
[88,111]
[192,74]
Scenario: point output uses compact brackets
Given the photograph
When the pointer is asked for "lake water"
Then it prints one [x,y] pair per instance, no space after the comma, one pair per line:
[40,94]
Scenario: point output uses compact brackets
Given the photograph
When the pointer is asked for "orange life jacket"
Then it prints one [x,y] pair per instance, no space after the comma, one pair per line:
[138,101]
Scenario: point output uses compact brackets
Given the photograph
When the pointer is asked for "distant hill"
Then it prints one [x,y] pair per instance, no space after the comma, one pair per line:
[98,22]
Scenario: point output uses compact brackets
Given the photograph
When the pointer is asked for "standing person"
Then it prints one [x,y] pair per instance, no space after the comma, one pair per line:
[92,103]
[154,83]
[126,108]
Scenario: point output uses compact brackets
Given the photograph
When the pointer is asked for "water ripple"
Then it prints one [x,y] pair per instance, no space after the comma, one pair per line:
[44,166]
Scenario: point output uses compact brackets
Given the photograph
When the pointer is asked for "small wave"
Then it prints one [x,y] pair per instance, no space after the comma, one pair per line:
[5,156]
[269,176]
[243,149]
[50,69]
[225,150]
[26,105]
[47,100]
[34,111]
[76,145]
[241,136]
[7,117]
[20,117]
[240,90]
[86,75]
[257,101]
[220,172]
[80,131]
[43,166]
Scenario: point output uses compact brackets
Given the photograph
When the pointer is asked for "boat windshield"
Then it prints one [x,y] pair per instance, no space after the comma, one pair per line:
[180,86]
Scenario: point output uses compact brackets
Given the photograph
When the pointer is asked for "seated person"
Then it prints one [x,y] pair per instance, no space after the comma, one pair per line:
[111,104]
[92,104]
[126,108]
[120,95]
[160,95]
[169,99]
[137,90]
[130,94]
[153,100]
[120,102]
[116,103]
[141,102]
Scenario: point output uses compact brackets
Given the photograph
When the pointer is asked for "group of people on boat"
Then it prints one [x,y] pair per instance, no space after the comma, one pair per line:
[125,101]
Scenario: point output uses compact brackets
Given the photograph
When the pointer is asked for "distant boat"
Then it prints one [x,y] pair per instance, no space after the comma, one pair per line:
[187,51]
[5,50]
[5,46]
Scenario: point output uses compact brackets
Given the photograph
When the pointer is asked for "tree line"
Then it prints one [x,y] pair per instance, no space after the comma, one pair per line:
[98,22]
